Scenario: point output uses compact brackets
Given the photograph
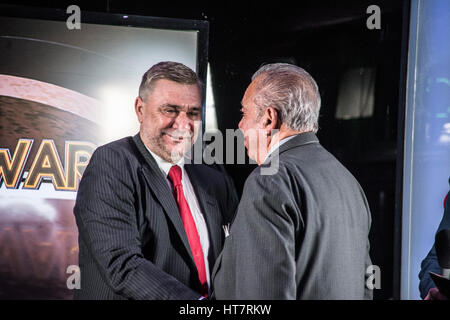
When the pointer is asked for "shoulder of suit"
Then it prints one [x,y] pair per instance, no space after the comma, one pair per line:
[121,146]
[123,143]
[116,152]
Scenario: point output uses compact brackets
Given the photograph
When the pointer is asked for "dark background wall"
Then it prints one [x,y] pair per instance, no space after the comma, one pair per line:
[326,38]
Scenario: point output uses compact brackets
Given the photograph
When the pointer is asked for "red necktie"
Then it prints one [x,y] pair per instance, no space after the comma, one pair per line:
[189,227]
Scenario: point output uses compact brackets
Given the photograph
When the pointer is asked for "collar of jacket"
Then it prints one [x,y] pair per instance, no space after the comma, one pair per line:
[300,139]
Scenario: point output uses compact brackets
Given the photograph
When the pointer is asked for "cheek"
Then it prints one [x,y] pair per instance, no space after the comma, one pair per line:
[155,122]
[197,127]
[163,122]
[249,128]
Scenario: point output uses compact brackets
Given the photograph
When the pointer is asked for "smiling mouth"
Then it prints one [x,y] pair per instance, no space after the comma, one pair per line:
[177,138]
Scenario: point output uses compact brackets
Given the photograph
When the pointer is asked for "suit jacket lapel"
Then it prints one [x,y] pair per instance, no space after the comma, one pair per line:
[210,209]
[158,184]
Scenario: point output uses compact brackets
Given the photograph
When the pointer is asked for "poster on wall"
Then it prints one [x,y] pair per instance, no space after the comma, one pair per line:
[63,92]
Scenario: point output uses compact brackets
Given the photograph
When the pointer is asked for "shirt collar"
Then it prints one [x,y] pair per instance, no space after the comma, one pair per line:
[279,144]
[165,165]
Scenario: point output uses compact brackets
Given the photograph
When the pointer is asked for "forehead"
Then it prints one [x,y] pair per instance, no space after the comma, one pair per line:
[167,91]
[247,100]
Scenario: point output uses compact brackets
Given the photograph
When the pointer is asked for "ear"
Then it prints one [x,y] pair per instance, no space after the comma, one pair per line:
[138,108]
[271,120]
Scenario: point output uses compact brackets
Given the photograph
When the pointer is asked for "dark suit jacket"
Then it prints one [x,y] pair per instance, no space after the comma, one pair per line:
[301,233]
[131,238]
[430,263]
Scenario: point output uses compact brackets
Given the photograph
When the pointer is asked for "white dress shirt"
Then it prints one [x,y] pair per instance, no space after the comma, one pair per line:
[192,201]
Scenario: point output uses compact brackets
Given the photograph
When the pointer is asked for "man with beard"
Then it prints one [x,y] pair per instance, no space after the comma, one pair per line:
[150,225]
[300,232]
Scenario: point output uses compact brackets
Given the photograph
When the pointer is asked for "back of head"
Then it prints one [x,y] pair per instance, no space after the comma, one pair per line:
[173,71]
[292,92]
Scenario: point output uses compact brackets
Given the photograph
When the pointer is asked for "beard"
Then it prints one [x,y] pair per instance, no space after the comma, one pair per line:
[183,142]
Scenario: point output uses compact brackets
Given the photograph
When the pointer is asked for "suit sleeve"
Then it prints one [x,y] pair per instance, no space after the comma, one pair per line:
[258,259]
[107,222]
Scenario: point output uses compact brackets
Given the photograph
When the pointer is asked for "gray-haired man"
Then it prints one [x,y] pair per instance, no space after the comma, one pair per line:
[301,232]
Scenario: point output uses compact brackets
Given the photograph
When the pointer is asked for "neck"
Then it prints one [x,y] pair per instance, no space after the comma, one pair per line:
[282,133]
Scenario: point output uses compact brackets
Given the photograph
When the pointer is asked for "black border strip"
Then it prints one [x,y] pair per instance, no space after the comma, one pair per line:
[397,259]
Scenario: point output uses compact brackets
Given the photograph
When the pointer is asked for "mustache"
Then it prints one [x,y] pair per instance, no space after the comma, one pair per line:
[178,134]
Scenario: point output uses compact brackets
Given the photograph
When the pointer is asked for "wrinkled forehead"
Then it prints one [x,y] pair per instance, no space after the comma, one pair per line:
[250,92]
[170,90]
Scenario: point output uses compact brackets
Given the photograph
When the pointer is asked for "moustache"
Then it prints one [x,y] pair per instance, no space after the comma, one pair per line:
[181,135]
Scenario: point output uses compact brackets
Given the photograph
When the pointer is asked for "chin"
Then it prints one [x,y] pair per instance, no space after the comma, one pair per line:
[178,152]
[257,157]
[251,156]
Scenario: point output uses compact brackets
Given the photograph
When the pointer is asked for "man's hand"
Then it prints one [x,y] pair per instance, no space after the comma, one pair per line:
[435,294]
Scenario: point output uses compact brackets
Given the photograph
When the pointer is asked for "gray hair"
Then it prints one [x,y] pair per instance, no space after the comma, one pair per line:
[292,92]
[168,70]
